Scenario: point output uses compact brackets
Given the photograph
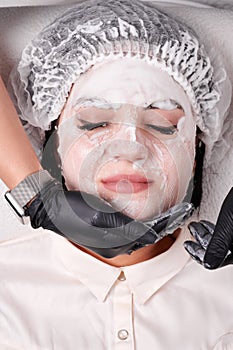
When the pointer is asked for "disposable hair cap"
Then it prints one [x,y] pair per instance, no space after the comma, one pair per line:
[96,29]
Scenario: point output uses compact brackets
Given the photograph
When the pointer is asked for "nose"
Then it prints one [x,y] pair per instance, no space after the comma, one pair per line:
[128,132]
[121,148]
[128,142]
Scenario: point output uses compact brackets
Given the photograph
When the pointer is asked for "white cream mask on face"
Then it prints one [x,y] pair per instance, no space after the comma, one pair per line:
[122,90]
[105,150]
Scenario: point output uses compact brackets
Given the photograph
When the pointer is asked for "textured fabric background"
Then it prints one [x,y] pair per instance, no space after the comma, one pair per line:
[11,3]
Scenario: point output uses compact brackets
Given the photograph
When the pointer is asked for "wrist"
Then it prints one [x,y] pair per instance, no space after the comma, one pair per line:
[22,195]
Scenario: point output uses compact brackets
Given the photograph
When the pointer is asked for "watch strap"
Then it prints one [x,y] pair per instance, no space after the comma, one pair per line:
[30,186]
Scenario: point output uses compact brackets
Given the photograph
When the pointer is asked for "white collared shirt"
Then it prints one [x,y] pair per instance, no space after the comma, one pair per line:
[55,297]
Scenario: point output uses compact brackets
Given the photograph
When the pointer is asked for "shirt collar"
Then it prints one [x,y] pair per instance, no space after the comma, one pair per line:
[144,279]
[147,277]
[96,275]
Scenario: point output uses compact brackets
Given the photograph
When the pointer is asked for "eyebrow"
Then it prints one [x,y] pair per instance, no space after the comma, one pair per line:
[92,101]
[177,105]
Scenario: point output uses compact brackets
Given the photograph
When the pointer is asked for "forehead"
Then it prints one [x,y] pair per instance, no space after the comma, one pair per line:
[126,80]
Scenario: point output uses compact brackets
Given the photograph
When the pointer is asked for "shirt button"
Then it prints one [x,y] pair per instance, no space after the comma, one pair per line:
[123,334]
[122,276]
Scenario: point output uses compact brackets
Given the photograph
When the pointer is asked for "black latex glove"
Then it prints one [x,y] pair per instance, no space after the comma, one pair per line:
[214,245]
[91,222]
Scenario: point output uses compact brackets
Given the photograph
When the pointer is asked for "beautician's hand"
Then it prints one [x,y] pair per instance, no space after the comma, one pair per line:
[91,222]
[214,245]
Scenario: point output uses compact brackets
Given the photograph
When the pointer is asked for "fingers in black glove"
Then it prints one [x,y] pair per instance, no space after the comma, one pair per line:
[203,233]
[219,252]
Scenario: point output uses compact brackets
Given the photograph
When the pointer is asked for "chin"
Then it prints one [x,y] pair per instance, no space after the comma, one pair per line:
[140,209]
[139,216]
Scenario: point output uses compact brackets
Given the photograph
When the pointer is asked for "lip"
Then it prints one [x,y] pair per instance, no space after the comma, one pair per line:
[126,183]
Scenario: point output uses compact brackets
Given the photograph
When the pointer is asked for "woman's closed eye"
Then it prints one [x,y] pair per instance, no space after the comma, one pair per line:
[166,130]
[91,126]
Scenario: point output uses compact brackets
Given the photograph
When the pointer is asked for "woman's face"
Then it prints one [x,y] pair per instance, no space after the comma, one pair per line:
[127,135]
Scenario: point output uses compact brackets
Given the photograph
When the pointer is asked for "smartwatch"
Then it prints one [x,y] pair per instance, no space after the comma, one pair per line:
[28,188]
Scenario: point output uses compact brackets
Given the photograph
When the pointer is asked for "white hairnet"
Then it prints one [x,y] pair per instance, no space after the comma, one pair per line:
[96,29]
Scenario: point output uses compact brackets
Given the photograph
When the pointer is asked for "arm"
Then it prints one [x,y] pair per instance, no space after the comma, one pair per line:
[16,152]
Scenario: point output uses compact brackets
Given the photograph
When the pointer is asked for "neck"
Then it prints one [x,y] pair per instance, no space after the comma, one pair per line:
[138,256]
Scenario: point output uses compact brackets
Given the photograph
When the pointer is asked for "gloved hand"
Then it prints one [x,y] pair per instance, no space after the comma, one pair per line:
[214,245]
[91,222]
